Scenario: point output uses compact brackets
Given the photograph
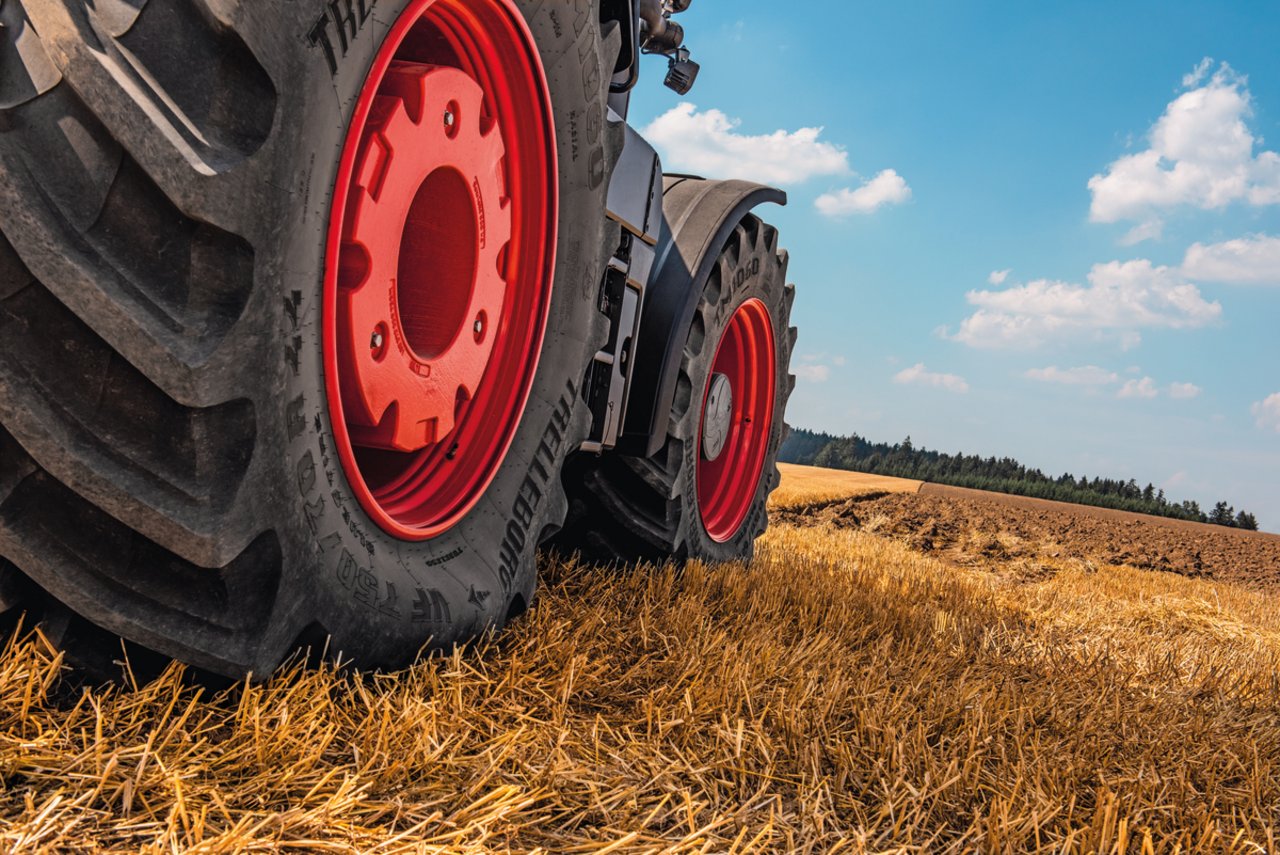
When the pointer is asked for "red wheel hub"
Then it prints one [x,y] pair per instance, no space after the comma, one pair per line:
[439,261]
[736,420]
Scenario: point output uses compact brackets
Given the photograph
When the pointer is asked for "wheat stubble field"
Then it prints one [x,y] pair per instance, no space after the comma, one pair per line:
[874,682]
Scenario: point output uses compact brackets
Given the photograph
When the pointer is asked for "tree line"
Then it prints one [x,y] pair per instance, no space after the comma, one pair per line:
[1003,475]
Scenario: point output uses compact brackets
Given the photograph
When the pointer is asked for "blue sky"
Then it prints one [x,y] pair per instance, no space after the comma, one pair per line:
[1049,231]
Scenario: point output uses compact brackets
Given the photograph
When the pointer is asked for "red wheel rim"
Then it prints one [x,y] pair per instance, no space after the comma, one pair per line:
[746,357]
[439,261]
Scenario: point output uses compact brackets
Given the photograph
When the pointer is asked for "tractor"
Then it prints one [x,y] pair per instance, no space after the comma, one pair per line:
[319,318]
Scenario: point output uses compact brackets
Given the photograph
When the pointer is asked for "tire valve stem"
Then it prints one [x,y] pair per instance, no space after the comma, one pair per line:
[448,118]
[375,343]
[452,452]
[479,327]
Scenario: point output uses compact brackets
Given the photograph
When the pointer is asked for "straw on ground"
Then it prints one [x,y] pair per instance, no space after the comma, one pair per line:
[842,694]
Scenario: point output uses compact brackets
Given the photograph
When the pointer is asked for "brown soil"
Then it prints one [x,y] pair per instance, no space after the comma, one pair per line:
[1032,538]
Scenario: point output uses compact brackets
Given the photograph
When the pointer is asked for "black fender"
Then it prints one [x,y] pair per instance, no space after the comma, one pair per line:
[699,215]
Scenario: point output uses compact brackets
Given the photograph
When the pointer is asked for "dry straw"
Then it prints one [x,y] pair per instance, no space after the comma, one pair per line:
[842,694]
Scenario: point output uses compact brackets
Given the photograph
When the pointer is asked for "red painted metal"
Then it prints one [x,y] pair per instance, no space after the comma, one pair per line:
[747,356]
[439,261]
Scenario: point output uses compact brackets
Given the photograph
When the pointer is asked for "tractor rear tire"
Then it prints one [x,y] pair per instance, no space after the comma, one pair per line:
[678,504]
[170,468]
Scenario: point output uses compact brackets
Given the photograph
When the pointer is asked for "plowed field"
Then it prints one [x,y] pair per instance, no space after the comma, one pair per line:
[1033,537]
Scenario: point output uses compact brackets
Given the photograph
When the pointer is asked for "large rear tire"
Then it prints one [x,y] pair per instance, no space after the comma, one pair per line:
[703,495]
[171,468]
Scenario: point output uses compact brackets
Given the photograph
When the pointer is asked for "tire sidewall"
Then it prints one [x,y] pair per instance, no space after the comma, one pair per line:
[377,596]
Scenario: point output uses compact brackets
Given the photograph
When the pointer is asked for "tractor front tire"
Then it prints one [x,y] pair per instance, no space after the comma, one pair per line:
[704,494]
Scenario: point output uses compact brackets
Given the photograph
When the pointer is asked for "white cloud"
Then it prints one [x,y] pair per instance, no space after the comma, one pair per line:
[1267,412]
[1150,230]
[1184,391]
[919,375]
[1198,74]
[815,367]
[709,143]
[1248,260]
[812,373]
[997,277]
[1201,154]
[1144,388]
[1121,298]
[887,188]
[1085,375]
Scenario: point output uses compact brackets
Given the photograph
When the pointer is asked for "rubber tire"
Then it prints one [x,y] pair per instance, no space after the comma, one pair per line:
[624,508]
[166,468]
